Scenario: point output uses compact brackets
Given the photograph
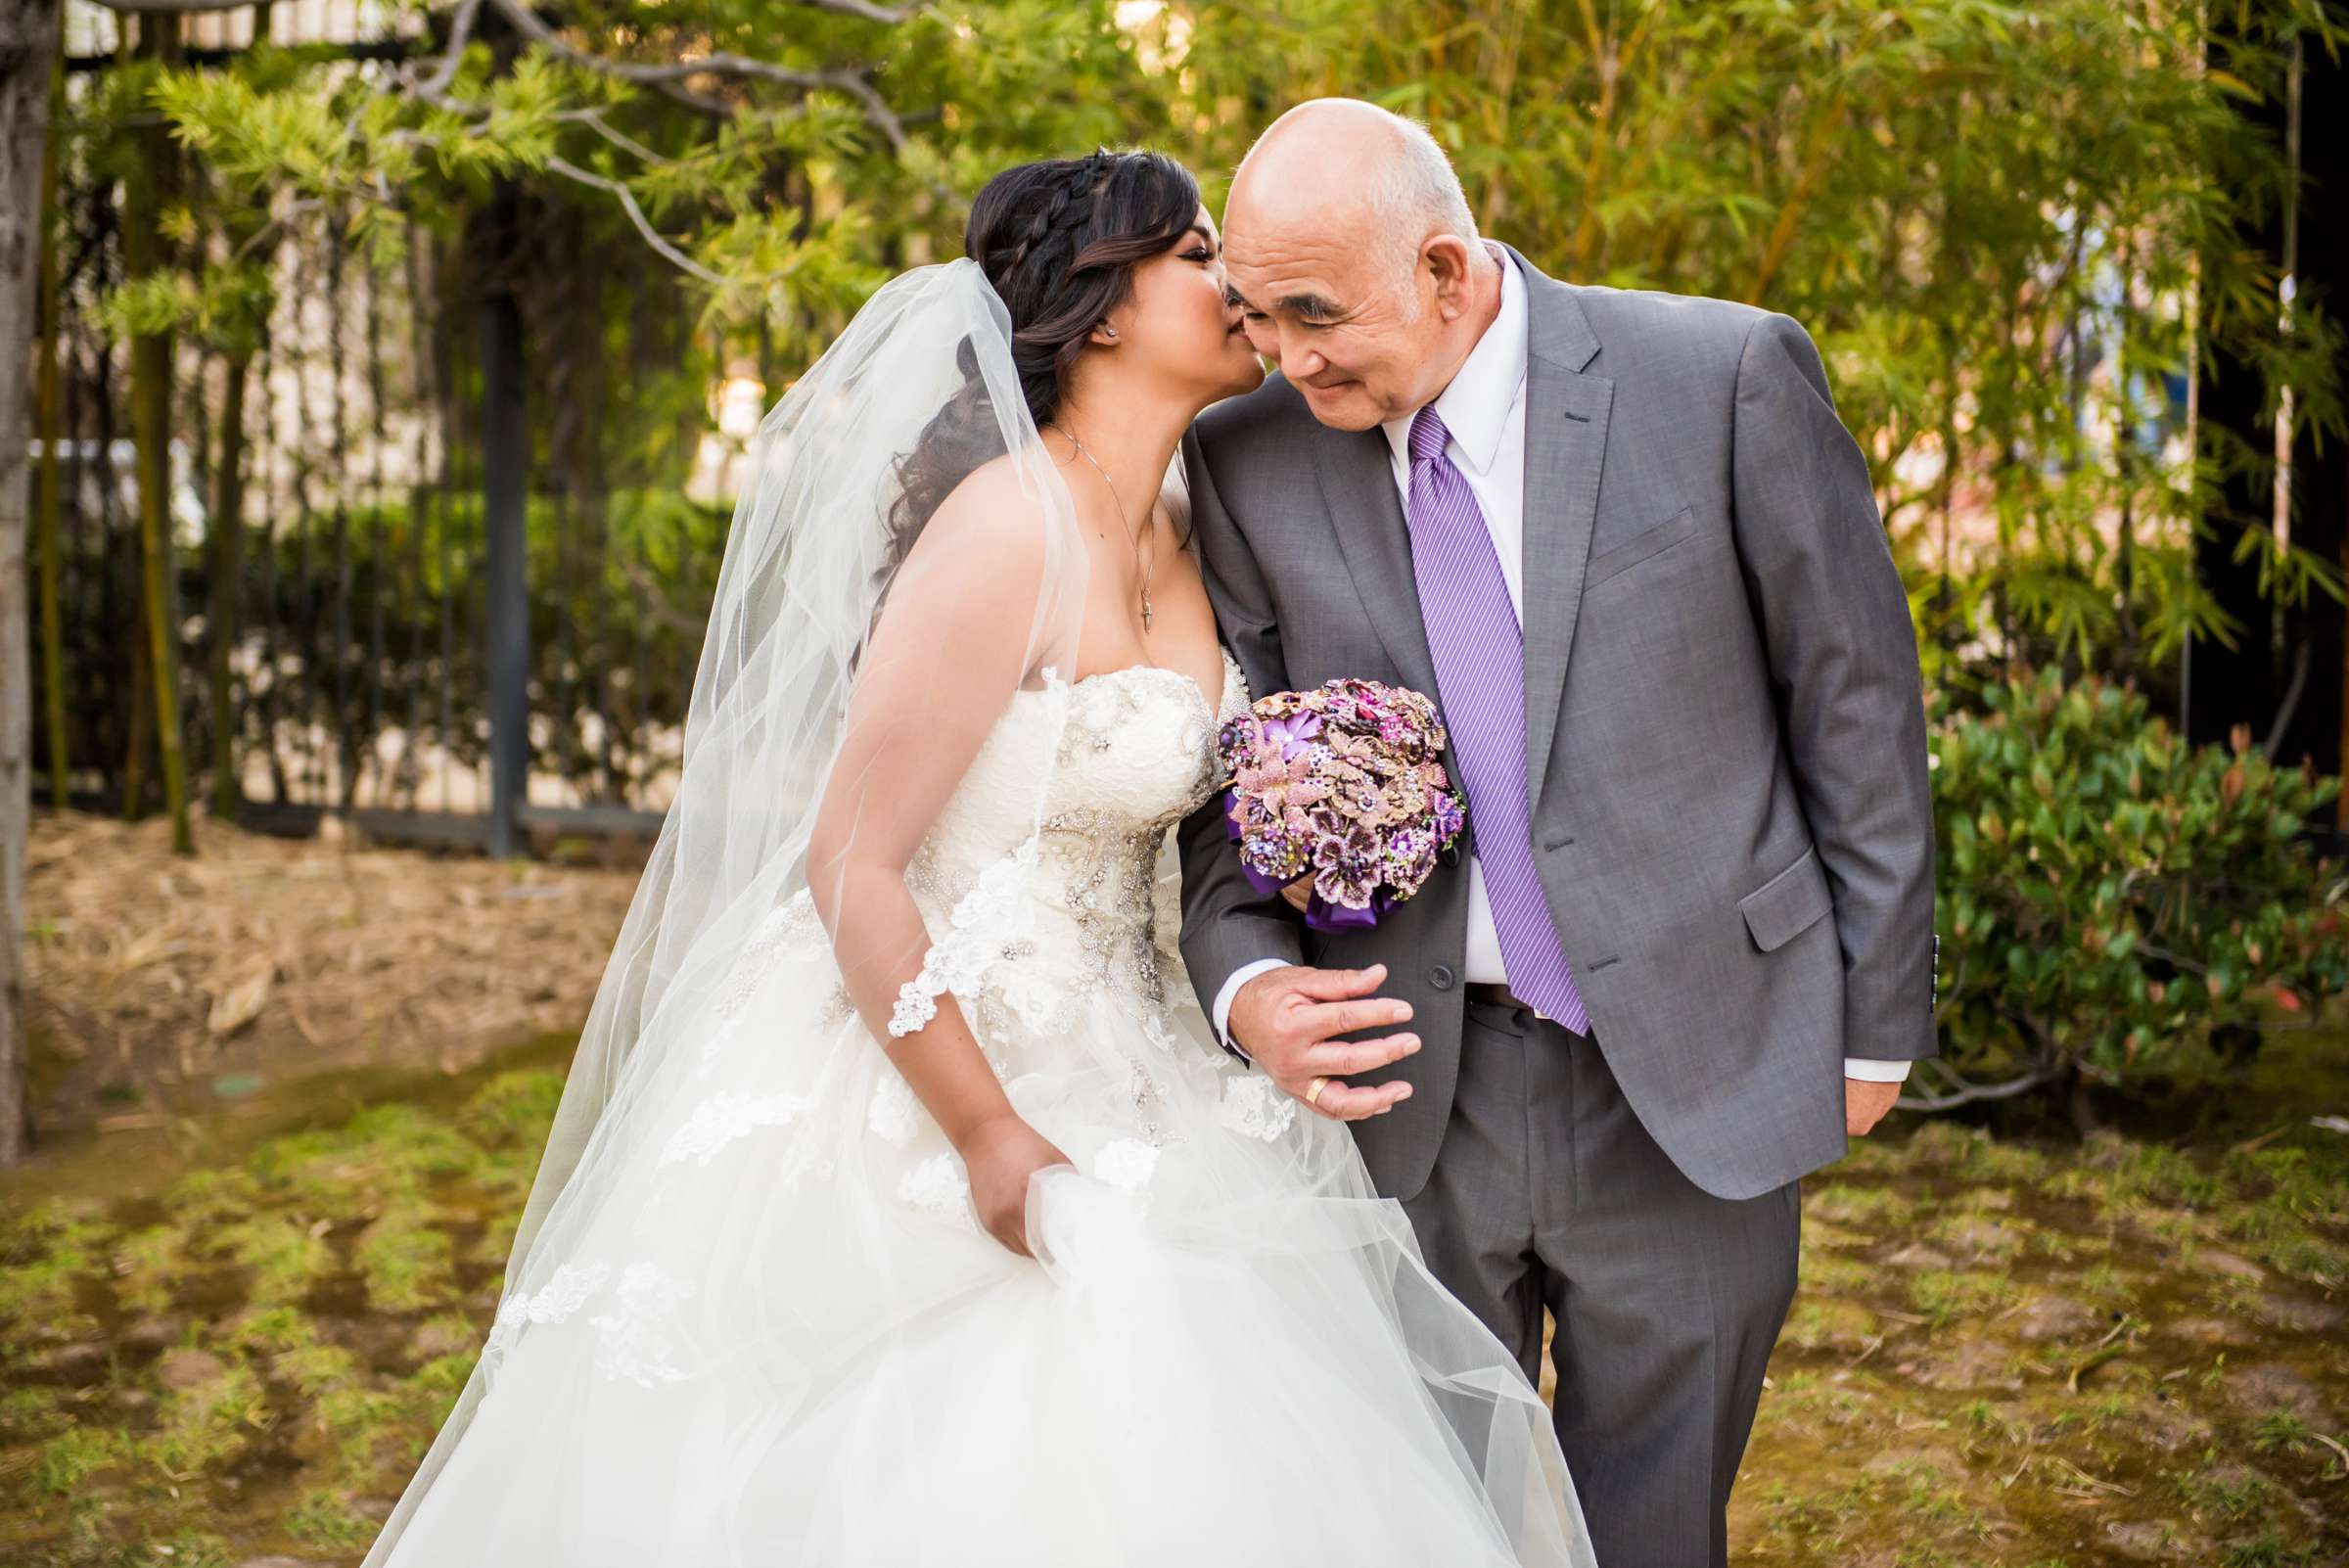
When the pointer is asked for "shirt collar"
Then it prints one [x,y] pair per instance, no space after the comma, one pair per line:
[1475,407]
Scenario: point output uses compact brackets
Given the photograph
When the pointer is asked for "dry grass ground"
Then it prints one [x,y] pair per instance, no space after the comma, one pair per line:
[159,985]
[225,1335]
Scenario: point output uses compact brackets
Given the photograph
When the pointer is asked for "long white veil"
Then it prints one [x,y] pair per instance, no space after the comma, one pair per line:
[859,649]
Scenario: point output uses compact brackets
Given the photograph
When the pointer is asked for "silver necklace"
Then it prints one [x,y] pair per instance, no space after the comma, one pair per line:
[1140,554]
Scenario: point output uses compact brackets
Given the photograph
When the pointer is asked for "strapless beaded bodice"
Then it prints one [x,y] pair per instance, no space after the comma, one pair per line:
[1068,892]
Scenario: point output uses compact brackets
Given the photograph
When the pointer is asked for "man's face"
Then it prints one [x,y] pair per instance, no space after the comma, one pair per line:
[1353,331]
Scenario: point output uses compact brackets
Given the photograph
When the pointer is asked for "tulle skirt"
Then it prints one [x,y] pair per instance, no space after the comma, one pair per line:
[771,1331]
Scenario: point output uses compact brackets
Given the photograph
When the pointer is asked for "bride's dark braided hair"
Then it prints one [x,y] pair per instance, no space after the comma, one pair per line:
[1058,240]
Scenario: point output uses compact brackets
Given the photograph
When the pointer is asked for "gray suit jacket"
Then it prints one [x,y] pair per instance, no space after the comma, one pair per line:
[1725,726]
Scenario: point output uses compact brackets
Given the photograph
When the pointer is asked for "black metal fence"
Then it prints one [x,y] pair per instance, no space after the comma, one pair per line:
[468,567]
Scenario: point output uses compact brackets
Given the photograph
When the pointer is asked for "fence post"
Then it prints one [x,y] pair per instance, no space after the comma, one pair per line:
[505,488]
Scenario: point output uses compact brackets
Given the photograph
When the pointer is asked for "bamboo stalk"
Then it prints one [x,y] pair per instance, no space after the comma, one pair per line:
[151,426]
[224,567]
[269,458]
[1815,159]
[1602,126]
[137,732]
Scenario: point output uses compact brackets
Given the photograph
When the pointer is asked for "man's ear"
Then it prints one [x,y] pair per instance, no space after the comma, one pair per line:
[1446,258]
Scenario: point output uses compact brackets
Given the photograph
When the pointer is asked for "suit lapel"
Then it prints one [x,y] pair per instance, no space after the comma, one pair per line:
[1358,481]
[1566,414]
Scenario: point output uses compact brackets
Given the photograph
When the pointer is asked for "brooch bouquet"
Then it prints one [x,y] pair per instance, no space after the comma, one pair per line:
[1339,784]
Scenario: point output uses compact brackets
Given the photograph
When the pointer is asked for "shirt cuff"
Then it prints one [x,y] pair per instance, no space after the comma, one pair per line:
[1868,1070]
[1222,1013]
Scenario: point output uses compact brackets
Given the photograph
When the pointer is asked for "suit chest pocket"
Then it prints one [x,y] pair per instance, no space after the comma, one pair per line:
[1648,541]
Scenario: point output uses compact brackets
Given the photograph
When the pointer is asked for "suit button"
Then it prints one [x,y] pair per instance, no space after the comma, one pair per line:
[1441,976]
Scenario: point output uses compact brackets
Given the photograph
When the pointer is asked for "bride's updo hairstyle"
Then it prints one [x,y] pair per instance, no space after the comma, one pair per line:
[1058,240]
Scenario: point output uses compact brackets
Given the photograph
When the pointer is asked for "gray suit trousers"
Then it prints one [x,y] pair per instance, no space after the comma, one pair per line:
[1548,1192]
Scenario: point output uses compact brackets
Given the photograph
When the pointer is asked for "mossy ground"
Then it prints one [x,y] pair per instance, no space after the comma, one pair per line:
[2114,1352]
[2012,1352]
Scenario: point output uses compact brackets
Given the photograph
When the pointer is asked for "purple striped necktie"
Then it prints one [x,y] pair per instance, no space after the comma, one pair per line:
[1479,653]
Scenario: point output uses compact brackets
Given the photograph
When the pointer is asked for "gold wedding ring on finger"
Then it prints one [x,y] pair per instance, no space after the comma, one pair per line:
[1312,1092]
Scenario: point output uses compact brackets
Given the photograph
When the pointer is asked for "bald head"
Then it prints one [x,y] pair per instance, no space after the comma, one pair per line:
[1357,260]
[1343,164]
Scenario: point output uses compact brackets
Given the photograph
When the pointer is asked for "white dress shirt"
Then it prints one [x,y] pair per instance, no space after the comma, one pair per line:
[1484,410]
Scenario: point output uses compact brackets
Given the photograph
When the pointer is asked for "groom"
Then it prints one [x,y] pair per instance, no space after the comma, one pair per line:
[1624,543]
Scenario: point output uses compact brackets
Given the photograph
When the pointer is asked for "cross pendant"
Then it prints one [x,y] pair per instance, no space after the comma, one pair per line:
[1146,612]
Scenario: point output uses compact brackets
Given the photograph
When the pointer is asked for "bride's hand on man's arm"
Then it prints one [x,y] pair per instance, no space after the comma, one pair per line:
[1000,1154]
[1284,1019]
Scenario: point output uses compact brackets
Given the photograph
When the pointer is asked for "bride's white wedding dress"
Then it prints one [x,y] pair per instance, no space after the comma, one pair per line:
[783,1338]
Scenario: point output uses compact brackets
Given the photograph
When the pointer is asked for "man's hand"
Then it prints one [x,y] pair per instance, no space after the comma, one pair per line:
[1284,1019]
[1865,1103]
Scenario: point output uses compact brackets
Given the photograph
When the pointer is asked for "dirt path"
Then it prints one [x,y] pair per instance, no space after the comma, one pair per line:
[159,985]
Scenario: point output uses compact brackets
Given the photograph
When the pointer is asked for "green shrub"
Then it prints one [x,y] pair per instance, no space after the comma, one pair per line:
[2110,899]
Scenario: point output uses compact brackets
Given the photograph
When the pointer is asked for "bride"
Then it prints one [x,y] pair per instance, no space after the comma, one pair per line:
[900,1207]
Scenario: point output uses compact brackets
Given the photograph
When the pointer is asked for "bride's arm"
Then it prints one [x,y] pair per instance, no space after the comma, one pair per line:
[957,636]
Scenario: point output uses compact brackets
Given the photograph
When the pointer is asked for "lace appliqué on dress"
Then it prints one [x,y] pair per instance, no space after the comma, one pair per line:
[992,913]
[940,1188]
[565,1292]
[789,919]
[1127,1163]
[633,1339]
[1256,1107]
[722,1119]
[890,1114]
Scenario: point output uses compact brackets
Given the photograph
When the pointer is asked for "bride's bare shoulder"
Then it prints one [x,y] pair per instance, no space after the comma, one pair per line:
[999,506]
[993,537]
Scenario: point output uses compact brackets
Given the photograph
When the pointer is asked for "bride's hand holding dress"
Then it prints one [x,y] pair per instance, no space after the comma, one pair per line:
[1002,1156]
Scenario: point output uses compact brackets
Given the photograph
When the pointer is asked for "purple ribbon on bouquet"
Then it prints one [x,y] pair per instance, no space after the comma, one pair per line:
[1319,912]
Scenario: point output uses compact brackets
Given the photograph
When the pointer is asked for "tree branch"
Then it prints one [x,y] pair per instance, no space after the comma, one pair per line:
[391,49]
[1966,1093]
[2290,705]
[644,225]
[861,7]
[267,234]
[166,8]
[460,33]
[593,120]
[852,84]
[667,78]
